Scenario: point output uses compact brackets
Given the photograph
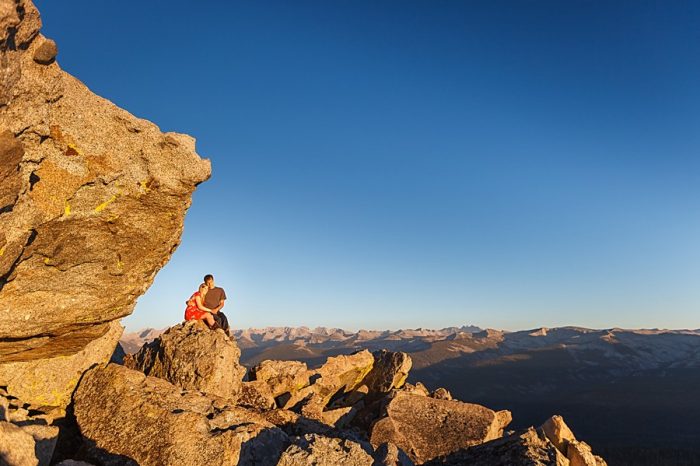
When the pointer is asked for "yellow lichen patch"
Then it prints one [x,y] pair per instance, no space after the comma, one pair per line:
[144,186]
[112,218]
[47,261]
[55,185]
[2,250]
[66,209]
[104,205]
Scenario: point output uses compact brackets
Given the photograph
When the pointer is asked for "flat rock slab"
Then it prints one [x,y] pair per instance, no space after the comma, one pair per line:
[51,381]
[425,427]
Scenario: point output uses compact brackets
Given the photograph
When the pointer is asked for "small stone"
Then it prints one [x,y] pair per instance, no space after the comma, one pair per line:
[441,394]
[46,53]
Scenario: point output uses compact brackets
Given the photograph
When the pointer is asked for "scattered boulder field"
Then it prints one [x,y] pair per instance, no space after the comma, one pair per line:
[162,407]
[92,199]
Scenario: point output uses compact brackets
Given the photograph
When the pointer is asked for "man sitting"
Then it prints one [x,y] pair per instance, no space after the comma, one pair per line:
[214,300]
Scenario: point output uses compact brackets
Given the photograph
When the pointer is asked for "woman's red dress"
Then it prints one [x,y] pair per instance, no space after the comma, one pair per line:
[193,312]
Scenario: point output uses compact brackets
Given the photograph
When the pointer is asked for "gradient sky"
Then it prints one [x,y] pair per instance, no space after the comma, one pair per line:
[511,164]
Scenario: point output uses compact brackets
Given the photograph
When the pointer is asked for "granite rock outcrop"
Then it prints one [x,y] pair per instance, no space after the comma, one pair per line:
[92,200]
[193,357]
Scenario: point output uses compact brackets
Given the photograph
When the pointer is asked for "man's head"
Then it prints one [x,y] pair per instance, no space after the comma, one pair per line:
[209,280]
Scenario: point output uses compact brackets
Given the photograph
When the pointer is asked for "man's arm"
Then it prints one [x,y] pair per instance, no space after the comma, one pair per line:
[220,306]
[221,301]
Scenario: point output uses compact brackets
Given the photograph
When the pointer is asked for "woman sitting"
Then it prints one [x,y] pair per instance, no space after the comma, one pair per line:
[196,309]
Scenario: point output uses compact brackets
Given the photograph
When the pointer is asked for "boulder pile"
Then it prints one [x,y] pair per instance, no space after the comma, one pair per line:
[174,403]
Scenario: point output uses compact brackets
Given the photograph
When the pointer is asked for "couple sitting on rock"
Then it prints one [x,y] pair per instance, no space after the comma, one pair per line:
[206,304]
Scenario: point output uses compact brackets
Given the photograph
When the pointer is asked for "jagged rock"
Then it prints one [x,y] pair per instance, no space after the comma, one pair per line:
[256,394]
[338,375]
[17,446]
[561,436]
[426,428]
[580,454]
[389,454]
[46,52]
[283,377]
[50,382]
[556,430]
[417,389]
[317,450]
[129,418]
[342,374]
[93,200]
[193,357]
[525,448]
[390,371]
[441,394]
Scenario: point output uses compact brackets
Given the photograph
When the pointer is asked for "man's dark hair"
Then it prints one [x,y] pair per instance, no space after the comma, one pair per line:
[208,277]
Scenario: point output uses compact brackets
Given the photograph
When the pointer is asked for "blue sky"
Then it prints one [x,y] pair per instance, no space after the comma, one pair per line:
[511,164]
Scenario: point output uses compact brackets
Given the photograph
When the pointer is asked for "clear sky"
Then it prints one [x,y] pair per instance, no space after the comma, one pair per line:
[510,164]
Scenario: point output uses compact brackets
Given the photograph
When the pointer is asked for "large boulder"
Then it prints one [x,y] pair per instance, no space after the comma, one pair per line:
[525,448]
[126,417]
[426,427]
[92,201]
[317,450]
[389,371]
[193,357]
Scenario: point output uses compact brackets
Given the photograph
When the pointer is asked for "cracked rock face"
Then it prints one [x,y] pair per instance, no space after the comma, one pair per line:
[92,199]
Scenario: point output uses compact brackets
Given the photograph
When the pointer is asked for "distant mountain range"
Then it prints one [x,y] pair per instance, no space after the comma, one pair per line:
[631,393]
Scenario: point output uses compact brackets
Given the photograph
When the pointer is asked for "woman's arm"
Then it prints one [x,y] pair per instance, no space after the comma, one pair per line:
[200,304]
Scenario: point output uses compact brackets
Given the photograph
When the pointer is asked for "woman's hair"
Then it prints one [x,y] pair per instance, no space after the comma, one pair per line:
[203,285]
